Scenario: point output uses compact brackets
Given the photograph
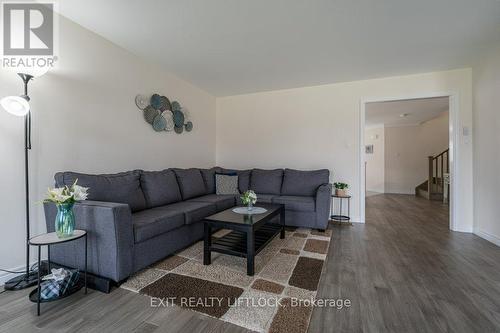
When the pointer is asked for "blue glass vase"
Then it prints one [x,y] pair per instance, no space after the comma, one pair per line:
[65,220]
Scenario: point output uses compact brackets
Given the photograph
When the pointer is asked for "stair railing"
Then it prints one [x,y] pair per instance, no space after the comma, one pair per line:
[438,166]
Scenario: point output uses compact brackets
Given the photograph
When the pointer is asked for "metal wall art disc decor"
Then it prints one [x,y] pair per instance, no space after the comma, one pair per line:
[176,106]
[141,101]
[159,123]
[156,101]
[150,114]
[165,104]
[178,118]
[170,121]
[164,115]
[179,130]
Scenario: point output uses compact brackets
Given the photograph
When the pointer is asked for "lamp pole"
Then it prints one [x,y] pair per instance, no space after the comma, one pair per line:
[27,147]
[28,279]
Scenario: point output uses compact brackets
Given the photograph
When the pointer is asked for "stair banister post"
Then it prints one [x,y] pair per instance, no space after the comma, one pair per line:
[429,182]
[444,169]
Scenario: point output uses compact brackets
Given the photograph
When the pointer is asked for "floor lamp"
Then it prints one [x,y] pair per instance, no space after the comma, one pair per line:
[19,106]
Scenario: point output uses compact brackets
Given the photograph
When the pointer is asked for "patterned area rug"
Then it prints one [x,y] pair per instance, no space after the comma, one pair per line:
[275,299]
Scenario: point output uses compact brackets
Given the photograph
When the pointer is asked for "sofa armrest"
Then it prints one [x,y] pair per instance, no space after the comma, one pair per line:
[110,239]
[323,198]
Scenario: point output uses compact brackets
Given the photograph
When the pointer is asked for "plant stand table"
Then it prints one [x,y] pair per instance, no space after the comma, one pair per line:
[48,240]
[341,217]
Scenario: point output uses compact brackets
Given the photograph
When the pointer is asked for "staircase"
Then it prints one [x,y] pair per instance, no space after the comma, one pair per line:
[434,187]
[436,193]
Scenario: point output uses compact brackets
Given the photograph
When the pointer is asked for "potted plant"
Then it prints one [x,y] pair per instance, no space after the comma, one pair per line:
[341,189]
[64,198]
[249,198]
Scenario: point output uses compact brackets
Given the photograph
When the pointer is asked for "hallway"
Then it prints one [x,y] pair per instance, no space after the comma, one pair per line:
[405,271]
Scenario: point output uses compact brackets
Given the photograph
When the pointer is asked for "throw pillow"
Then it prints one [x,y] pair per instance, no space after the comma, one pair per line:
[226,184]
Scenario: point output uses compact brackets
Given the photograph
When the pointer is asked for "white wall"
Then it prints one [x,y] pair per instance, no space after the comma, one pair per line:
[406,152]
[487,146]
[375,164]
[85,120]
[318,127]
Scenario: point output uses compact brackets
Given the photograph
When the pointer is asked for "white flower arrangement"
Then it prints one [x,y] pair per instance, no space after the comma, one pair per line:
[249,197]
[67,194]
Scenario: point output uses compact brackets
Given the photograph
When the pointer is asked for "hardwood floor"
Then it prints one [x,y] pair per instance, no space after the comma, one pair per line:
[403,271]
[120,311]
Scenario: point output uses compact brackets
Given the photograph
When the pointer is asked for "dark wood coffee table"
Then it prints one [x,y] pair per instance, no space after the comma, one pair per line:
[250,233]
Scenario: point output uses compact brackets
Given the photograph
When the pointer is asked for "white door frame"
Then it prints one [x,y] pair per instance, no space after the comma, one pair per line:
[455,197]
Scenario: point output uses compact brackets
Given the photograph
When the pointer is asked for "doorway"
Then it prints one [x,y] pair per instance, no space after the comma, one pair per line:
[396,122]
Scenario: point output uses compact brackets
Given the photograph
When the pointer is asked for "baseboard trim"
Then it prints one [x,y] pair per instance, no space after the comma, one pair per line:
[356,219]
[401,192]
[489,237]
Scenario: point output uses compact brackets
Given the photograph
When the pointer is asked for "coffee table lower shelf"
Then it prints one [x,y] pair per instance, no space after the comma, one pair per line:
[235,243]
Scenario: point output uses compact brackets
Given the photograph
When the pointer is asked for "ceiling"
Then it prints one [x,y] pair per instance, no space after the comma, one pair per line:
[229,47]
[405,112]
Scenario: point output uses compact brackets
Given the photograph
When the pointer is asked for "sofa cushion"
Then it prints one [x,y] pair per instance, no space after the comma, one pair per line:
[160,187]
[266,181]
[222,202]
[243,178]
[190,183]
[226,184]
[124,187]
[209,179]
[296,203]
[193,211]
[303,183]
[153,222]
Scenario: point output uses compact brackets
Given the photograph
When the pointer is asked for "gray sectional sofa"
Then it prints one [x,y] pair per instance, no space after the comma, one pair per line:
[138,217]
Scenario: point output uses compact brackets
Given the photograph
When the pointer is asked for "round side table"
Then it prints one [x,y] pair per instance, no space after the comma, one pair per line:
[341,217]
[48,240]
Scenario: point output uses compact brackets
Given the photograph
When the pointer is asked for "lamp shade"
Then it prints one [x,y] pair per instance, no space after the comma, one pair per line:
[32,71]
[15,105]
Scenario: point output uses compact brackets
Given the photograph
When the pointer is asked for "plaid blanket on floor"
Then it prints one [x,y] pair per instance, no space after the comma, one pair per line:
[51,289]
